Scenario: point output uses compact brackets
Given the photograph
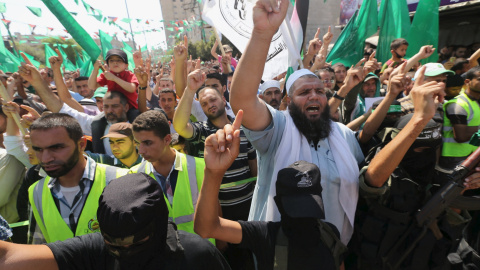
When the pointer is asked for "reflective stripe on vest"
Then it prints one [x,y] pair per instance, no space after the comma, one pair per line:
[452,148]
[48,217]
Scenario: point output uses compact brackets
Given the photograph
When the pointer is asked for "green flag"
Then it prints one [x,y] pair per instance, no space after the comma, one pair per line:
[349,47]
[144,48]
[3,50]
[87,67]
[73,28]
[394,21]
[49,52]
[131,66]
[78,59]
[10,62]
[69,66]
[106,42]
[36,11]
[3,8]
[126,20]
[127,47]
[32,59]
[424,30]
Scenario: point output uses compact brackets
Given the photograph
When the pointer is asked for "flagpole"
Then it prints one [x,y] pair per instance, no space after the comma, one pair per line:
[130,23]
[10,34]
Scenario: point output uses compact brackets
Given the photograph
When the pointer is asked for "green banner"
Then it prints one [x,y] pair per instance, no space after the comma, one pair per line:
[106,42]
[73,28]
[350,44]
[127,47]
[424,30]
[394,21]
[49,52]
[36,11]
[32,59]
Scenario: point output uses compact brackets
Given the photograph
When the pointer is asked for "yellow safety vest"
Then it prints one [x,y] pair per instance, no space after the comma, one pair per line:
[48,217]
[187,189]
[452,148]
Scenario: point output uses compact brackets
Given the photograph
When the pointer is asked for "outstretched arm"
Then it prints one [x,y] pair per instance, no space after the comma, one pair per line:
[56,64]
[180,52]
[267,17]
[26,257]
[180,121]
[31,74]
[221,149]
[425,97]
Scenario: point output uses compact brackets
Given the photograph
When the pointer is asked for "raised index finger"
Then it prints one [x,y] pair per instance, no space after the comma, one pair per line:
[238,120]
[317,34]
[329,29]
[421,76]
[372,56]
[25,58]
[185,40]
[59,54]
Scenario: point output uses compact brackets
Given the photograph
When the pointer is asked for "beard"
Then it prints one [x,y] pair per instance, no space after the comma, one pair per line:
[215,115]
[314,130]
[65,167]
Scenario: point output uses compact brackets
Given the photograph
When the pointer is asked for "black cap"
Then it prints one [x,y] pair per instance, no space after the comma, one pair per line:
[118,53]
[431,135]
[299,190]
[129,204]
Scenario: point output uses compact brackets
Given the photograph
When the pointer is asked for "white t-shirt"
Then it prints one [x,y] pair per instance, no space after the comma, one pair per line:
[70,193]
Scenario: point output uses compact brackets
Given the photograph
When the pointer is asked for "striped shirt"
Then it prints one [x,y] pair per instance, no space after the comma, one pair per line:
[239,170]
[69,213]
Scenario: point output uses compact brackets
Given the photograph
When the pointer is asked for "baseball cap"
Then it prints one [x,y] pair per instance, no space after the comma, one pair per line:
[119,130]
[118,53]
[100,92]
[299,190]
[227,48]
[434,69]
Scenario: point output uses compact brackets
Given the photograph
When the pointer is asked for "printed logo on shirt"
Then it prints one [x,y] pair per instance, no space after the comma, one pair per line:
[306,180]
[93,225]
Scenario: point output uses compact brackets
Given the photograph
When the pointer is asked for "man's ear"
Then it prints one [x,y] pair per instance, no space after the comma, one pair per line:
[260,96]
[167,139]
[82,143]
[127,107]
[288,100]
[224,88]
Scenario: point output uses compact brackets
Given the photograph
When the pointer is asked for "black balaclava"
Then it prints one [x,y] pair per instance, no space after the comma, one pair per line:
[133,216]
[420,165]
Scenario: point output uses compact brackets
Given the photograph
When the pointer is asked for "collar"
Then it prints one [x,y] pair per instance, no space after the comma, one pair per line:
[210,124]
[119,74]
[177,164]
[88,172]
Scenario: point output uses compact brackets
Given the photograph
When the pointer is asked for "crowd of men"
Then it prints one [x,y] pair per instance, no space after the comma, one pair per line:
[191,166]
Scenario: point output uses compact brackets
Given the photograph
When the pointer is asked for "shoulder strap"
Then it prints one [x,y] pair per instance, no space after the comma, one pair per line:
[332,242]
[280,261]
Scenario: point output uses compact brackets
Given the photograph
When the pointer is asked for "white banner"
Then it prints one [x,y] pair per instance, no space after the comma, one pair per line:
[233,18]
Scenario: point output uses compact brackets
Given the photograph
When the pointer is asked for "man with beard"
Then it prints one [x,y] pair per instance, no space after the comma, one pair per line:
[304,132]
[270,93]
[299,240]
[64,203]
[135,234]
[236,199]
[396,184]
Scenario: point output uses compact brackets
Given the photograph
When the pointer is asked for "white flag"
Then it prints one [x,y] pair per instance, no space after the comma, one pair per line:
[233,18]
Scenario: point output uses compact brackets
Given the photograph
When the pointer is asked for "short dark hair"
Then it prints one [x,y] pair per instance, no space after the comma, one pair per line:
[54,120]
[338,65]
[396,43]
[152,120]
[81,78]
[472,72]
[114,94]
[217,76]
[201,89]
[168,90]
[166,79]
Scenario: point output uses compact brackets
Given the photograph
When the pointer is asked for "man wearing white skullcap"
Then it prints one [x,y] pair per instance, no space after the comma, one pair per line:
[270,93]
[303,132]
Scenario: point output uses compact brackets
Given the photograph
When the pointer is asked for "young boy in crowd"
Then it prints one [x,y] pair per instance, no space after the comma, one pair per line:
[117,78]
[398,48]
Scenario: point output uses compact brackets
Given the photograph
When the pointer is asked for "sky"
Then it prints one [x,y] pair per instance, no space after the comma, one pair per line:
[20,15]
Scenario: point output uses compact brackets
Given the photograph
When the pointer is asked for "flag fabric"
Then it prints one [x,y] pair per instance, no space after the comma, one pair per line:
[144,48]
[36,11]
[6,22]
[69,66]
[277,58]
[49,52]
[350,44]
[75,30]
[32,27]
[78,60]
[9,62]
[106,42]
[424,30]
[3,8]
[32,59]
[127,47]
[394,22]
[131,66]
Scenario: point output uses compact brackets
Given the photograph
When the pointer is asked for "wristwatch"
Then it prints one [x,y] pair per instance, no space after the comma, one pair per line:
[335,95]
[142,88]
